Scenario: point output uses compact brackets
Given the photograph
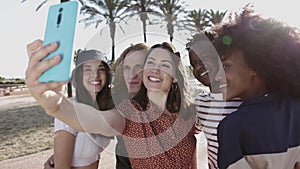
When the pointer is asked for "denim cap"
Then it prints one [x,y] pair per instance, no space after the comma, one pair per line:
[85,56]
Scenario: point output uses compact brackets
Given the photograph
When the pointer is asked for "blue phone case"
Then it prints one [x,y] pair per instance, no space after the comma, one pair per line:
[60,27]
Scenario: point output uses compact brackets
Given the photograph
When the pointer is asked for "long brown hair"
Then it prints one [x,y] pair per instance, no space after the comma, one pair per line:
[176,96]
[103,99]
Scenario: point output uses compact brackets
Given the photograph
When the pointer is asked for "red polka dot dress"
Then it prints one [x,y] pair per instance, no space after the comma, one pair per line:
[157,140]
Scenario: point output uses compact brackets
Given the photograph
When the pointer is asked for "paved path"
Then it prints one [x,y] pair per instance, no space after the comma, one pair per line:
[16,101]
[36,161]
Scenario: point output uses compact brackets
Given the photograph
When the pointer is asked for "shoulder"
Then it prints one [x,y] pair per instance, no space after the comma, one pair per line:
[234,103]
[203,97]
[203,94]
[59,125]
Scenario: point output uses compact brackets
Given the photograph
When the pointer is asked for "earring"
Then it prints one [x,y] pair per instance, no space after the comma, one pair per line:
[174,87]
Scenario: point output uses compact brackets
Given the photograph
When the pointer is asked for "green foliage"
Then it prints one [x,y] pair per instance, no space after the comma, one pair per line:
[203,19]
[76,53]
[171,10]
[11,80]
[216,17]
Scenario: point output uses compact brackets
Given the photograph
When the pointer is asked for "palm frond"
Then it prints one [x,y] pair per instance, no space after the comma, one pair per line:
[216,17]
[198,19]
[41,5]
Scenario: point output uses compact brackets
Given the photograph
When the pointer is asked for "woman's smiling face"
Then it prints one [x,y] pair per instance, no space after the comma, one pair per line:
[94,76]
[159,70]
[239,80]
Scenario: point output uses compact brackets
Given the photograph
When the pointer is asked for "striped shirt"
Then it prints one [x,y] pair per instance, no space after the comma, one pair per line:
[211,109]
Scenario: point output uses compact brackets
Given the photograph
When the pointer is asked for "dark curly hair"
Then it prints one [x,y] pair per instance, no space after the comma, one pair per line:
[270,47]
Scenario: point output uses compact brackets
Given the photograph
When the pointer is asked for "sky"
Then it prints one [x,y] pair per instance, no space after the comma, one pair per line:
[21,24]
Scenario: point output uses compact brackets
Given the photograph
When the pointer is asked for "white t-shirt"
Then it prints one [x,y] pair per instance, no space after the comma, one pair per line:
[87,146]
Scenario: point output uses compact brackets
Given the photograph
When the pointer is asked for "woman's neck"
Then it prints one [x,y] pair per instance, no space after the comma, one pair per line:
[158,98]
[131,95]
[93,96]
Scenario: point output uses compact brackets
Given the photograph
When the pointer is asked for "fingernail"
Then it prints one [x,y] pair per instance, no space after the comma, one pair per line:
[53,43]
[57,57]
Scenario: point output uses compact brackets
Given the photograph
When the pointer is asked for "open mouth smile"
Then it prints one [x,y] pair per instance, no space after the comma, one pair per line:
[204,73]
[223,85]
[154,79]
[95,83]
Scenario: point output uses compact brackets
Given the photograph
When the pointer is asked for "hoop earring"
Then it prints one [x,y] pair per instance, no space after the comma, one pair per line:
[174,87]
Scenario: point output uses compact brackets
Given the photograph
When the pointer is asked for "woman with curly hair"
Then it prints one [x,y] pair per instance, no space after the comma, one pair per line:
[261,62]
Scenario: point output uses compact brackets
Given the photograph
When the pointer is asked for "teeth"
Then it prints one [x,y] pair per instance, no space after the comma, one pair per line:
[154,79]
[204,73]
[223,85]
[95,83]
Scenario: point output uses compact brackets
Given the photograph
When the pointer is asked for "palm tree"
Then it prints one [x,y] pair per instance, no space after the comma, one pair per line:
[108,11]
[141,7]
[216,17]
[198,19]
[170,9]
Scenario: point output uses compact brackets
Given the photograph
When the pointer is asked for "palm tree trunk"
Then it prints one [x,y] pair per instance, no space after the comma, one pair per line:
[170,27]
[112,27]
[144,30]
[143,17]
[113,51]
[170,30]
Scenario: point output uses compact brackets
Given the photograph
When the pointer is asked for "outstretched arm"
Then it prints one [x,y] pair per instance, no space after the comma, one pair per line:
[50,96]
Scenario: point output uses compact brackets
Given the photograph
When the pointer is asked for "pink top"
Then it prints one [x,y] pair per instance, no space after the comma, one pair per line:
[157,140]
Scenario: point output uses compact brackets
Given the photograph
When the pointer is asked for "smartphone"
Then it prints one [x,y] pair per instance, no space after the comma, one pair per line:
[60,27]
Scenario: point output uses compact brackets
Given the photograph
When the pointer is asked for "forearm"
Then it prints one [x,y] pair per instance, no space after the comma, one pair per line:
[194,161]
[63,149]
[86,118]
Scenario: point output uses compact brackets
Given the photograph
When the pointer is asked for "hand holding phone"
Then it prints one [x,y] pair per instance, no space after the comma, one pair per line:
[60,27]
